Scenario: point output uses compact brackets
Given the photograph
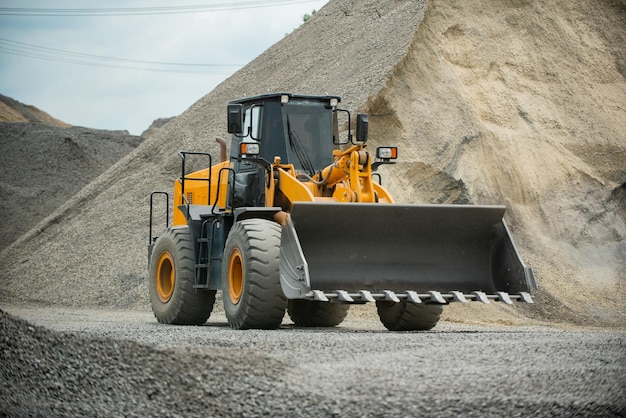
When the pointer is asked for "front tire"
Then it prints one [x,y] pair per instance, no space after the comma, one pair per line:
[253,297]
[313,313]
[408,316]
[172,295]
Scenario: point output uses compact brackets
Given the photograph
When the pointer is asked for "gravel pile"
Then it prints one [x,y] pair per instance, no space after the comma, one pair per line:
[45,373]
[146,369]
[93,249]
[43,166]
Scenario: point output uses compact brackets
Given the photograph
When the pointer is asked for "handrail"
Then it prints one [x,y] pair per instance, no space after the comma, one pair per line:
[219,184]
[167,212]
[183,155]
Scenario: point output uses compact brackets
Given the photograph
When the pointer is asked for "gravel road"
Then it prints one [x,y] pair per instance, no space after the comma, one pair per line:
[112,363]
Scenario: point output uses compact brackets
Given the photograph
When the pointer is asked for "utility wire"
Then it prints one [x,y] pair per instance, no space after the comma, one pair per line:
[15,48]
[129,11]
[103,57]
[23,49]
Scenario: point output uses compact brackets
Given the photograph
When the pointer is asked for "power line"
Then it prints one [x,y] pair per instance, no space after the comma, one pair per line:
[105,58]
[23,49]
[130,11]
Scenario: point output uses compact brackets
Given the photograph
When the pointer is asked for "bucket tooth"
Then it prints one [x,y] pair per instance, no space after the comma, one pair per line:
[436,296]
[366,296]
[526,297]
[320,296]
[504,297]
[481,296]
[343,296]
[412,296]
[458,296]
[391,296]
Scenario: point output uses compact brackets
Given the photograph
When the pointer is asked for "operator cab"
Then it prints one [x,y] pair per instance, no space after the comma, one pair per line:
[297,128]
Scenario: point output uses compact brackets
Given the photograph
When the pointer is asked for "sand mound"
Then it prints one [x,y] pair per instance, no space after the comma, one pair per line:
[521,103]
[524,105]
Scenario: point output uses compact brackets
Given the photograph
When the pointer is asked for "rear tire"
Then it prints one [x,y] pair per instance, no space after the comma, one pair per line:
[313,313]
[172,295]
[253,297]
[408,316]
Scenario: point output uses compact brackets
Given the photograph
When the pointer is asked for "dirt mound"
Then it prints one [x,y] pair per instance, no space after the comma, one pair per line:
[525,105]
[43,166]
[13,111]
[516,103]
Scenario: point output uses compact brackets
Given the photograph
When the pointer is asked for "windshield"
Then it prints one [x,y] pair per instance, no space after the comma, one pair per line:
[309,126]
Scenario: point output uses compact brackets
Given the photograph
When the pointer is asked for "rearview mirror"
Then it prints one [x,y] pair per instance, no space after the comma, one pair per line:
[235,119]
[361,127]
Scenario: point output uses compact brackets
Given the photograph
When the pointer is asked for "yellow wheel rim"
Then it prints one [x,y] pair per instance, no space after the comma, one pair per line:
[165,277]
[235,276]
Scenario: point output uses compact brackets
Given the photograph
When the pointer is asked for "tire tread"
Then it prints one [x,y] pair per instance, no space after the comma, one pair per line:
[188,306]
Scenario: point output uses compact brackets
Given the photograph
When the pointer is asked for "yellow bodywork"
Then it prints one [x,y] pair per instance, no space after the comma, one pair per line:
[198,192]
[348,179]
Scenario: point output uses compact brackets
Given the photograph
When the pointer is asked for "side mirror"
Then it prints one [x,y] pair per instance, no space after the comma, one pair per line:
[235,119]
[361,127]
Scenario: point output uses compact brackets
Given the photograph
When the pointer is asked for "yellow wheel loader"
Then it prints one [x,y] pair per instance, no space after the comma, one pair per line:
[296,220]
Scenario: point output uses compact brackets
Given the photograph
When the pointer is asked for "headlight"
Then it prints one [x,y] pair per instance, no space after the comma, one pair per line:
[249,148]
[387,153]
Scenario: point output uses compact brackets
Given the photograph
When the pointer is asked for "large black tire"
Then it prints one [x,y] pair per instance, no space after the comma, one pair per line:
[408,316]
[172,295]
[313,313]
[253,297]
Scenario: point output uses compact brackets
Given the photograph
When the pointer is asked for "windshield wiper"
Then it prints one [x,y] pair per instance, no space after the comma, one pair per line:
[301,154]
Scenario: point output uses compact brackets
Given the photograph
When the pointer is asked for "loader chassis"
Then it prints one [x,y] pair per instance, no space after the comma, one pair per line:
[293,221]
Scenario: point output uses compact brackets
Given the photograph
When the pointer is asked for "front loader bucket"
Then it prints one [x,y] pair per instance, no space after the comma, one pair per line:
[430,253]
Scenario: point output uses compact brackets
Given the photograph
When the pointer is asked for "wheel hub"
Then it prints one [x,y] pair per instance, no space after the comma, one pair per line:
[165,277]
[235,276]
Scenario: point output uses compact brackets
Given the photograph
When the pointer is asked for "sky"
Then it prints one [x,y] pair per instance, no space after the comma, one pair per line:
[121,64]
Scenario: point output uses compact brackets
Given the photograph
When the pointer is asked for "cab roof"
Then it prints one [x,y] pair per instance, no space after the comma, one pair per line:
[269,97]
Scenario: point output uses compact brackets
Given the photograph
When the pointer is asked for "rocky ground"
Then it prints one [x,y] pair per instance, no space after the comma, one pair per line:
[117,363]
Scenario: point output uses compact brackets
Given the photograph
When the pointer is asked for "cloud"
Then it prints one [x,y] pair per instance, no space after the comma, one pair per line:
[98,94]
